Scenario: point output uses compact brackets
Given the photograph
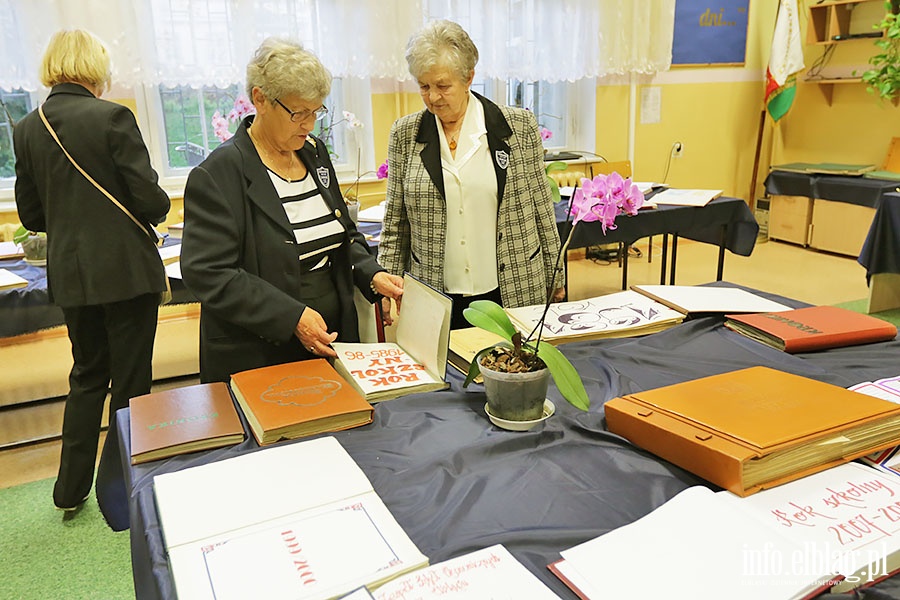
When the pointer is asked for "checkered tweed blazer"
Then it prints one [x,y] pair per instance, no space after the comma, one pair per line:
[415,221]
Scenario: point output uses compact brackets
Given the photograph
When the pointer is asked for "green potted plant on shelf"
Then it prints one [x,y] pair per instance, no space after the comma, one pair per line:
[516,371]
[883,79]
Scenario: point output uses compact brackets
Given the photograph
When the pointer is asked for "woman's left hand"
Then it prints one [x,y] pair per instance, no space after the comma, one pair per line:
[559,294]
[389,286]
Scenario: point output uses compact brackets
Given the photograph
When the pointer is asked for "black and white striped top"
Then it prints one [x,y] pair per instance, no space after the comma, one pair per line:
[316,230]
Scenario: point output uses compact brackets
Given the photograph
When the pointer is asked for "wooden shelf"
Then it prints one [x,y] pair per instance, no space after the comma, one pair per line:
[832,18]
[827,85]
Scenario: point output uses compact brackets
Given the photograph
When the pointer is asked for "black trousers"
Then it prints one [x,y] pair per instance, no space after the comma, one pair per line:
[112,346]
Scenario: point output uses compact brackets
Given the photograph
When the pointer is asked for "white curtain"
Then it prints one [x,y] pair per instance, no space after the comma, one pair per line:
[203,42]
[26,26]
[564,40]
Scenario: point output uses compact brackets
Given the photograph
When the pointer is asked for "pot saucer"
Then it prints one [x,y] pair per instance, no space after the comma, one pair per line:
[36,262]
[549,409]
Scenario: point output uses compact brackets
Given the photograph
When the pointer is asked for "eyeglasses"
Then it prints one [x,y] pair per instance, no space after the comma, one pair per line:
[302,115]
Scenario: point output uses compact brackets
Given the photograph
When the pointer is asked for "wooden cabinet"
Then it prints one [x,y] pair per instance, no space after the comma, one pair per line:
[838,21]
[839,227]
[789,219]
[828,225]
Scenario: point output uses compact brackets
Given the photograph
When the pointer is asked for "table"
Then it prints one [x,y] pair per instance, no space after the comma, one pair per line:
[826,212]
[455,483]
[28,309]
[38,355]
[852,189]
[880,255]
[725,222]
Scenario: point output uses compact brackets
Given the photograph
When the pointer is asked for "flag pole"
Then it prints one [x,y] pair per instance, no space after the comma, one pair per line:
[755,173]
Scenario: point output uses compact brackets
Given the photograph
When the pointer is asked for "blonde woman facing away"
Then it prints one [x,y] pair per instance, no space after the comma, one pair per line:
[102,268]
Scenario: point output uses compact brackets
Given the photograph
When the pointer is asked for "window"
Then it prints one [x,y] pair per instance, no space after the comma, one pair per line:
[13,106]
[187,121]
[184,133]
[554,106]
[548,103]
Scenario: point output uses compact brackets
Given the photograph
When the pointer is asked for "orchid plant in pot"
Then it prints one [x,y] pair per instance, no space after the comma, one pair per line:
[601,199]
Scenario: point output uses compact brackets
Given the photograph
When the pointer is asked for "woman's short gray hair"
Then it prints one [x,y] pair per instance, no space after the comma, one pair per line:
[443,43]
[282,67]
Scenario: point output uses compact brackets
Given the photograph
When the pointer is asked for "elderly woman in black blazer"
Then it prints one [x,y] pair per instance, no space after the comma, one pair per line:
[469,210]
[102,268]
[269,248]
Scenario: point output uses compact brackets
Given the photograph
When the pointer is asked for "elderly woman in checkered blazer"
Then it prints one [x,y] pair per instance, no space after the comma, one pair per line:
[469,210]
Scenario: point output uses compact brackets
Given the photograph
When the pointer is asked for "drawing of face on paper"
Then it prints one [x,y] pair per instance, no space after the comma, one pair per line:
[582,316]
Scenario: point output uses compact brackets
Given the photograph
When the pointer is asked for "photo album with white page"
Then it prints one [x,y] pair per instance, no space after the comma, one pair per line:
[417,362]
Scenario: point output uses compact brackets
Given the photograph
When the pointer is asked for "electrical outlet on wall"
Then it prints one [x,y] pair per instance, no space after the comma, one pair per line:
[677,150]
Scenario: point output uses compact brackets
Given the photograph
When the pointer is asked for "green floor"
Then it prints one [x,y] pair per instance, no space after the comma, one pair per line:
[891,316]
[48,557]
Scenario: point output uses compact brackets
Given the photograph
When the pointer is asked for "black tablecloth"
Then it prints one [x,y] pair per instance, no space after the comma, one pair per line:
[703,224]
[455,483]
[881,250]
[853,189]
[28,309]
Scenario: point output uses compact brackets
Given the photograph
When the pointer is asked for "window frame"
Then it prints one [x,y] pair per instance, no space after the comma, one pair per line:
[173,179]
[580,109]
[7,184]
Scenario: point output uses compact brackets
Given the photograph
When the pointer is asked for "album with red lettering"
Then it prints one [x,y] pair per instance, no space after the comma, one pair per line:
[836,530]
[297,399]
[417,362]
[812,328]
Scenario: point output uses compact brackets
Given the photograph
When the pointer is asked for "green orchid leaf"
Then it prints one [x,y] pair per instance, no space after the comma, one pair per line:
[555,166]
[564,376]
[490,316]
[554,191]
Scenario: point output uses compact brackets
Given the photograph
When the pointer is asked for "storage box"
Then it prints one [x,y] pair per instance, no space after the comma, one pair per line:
[839,227]
[789,218]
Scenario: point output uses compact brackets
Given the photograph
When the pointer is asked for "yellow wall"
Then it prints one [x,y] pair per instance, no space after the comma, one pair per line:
[718,121]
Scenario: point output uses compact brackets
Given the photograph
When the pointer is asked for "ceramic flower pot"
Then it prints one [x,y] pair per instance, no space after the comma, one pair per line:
[516,396]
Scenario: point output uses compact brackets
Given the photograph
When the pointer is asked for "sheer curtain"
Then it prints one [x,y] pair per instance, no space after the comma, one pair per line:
[564,40]
[202,42]
[26,26]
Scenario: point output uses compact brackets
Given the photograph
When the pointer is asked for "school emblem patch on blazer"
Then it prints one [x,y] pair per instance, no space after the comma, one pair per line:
[322,172]
[502,159]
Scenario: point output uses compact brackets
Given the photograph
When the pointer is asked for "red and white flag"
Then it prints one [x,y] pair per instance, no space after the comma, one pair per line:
[785,60]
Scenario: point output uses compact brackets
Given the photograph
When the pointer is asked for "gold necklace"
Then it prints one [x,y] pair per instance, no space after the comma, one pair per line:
[451,137]
[259,146]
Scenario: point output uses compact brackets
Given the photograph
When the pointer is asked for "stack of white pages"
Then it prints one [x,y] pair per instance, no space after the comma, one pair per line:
[298,521]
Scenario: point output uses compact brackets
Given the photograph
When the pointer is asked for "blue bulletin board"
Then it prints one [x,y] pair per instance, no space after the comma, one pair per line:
[710,32]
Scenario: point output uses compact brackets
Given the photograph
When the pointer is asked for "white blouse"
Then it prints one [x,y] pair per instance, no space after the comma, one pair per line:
[470,185]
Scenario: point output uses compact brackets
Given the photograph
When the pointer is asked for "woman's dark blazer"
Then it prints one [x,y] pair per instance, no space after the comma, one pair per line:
[95,253]
[240,259]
